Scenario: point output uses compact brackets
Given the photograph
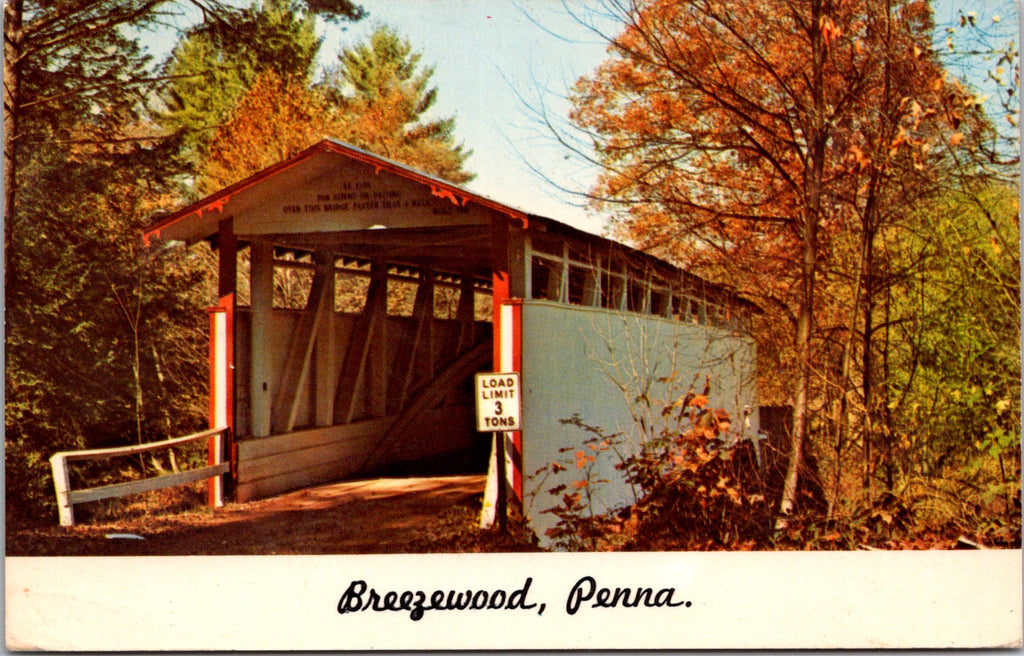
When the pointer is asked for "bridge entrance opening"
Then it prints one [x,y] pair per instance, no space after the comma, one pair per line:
[356,302]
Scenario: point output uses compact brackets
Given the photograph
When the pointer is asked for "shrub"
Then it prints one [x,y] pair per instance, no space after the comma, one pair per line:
[697,486]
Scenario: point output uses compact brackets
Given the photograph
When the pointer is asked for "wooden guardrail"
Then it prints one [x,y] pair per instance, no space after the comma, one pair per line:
[67,498]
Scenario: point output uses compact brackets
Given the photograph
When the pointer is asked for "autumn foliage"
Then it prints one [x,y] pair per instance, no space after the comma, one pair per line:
[275,119]
[696,487]
[374,100]
[789,148]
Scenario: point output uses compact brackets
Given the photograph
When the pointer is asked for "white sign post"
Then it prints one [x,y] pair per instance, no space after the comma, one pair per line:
[499,408]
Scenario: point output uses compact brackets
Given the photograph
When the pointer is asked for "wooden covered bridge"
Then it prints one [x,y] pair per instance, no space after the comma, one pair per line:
[358,297]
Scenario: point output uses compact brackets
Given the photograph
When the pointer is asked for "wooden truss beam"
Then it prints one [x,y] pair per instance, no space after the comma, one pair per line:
[367,331]
[325,371]
[415,359]
[464,315]
[296,369]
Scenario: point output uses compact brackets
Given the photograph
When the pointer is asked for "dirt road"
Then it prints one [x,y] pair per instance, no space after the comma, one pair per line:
[387,515]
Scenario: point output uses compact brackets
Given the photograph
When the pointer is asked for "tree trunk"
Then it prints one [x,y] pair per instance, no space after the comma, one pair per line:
[818,139]
[867,374]
[13,46]
[800,406]
[888,430]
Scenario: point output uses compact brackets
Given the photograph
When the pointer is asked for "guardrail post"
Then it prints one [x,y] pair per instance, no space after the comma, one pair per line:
[59,466]
[216,456]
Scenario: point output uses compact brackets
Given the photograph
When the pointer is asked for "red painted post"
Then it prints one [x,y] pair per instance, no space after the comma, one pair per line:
[511,339]
[222,358]
[507,262]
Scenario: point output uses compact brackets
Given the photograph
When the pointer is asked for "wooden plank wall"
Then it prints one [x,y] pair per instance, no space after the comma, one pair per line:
[272,465]
[277,464]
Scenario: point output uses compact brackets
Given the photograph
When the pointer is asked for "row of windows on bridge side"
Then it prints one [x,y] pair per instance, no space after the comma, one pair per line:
[592,281]
[556,271]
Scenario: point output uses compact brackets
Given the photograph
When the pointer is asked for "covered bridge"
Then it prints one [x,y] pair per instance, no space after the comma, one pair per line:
[358,297]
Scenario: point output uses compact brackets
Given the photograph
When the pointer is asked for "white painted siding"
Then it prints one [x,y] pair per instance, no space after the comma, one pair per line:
[596,364]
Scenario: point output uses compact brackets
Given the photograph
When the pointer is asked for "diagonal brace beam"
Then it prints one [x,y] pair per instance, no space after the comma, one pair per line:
[300,350]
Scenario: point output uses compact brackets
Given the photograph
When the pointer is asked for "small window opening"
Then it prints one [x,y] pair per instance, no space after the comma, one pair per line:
[636,299]
[578,279]
[350,292]
[446,302]
[401,297]
[291,287]
[545,277]
[483,305]
[659,303]
[679,308]
[696,312]
[611,291]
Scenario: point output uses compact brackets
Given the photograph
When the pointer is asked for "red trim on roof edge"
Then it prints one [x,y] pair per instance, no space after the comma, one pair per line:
[216,202]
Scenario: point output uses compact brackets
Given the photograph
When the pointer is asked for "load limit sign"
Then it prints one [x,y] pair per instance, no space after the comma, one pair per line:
[498,402]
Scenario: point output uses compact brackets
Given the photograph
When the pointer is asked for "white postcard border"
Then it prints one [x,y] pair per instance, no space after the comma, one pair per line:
[736,600]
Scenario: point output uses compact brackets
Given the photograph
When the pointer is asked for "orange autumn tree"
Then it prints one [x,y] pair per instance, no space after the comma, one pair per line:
[376,100]
[754,141]
[275,119]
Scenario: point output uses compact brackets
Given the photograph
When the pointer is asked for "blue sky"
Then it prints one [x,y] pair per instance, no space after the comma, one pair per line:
[491,60]
[498,62]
